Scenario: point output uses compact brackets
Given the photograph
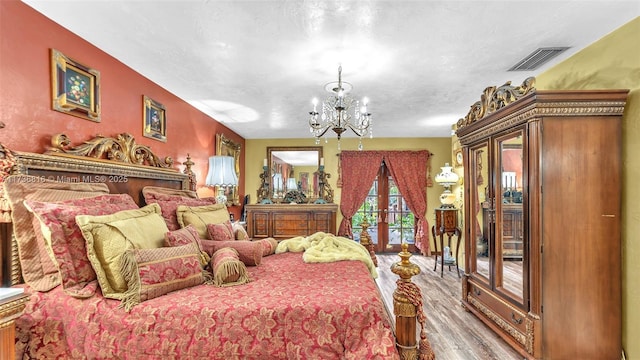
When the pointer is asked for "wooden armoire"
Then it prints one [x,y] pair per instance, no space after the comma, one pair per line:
[550,282]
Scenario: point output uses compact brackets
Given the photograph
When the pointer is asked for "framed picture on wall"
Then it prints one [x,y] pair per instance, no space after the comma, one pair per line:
[154,119]
[74,87]
[226,147]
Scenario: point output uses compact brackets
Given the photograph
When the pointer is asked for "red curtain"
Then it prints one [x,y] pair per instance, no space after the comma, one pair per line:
[409,171]
[359,169]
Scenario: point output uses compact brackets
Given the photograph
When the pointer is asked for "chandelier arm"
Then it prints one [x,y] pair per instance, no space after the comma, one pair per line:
[357,132]
[324,131]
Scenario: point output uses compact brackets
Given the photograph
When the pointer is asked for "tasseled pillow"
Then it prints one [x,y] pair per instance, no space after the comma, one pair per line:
[228,270]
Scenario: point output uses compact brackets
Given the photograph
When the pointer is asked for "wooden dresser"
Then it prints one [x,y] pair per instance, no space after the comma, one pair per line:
[512,230]
[284,221]
[550,283]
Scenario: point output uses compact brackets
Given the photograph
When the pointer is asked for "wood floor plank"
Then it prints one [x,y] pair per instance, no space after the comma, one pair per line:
[454,333]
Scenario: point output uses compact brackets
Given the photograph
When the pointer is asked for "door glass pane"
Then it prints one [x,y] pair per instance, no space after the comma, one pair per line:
[481,210]
[390,221]
[399,218]
[509,239]
[369,211]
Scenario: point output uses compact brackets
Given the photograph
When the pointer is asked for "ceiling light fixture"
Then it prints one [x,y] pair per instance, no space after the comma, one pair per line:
[336,113]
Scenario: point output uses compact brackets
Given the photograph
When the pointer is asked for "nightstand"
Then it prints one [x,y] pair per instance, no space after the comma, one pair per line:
[446,223]
[10,309]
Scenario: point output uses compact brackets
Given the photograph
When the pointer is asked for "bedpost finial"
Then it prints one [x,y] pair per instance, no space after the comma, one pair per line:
[405,268]
[187,170]
[365,240]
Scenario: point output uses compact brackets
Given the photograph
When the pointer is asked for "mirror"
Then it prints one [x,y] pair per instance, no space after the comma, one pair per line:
[510,240]
[292,173]
[482,213]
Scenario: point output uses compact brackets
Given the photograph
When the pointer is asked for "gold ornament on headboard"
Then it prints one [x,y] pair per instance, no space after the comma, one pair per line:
[122,148]
[495,98]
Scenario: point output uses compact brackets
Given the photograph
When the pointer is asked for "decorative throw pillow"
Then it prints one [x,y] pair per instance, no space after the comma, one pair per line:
[239,232]
[220,232]
[67,243]
[249,252]
[109,236]
[150,273]
[170,199]
[38,271]
[200,216]
[269,246]
[152,192]
[185,236]
[227,268]
[43,236]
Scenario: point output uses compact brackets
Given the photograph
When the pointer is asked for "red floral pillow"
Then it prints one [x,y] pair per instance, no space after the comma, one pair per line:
[38,270]
[154,272]
[187,236]
[67,243]
[169,204]
[220,232]
[249,252]
[227,268]
[269,246]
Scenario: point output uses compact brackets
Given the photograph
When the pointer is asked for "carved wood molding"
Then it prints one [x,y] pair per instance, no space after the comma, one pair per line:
[495,98]
[122,148]
[504,325]
[11,310]
[533,112]
[27,162]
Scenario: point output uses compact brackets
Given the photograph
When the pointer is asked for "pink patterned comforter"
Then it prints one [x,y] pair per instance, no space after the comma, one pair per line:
[291,310]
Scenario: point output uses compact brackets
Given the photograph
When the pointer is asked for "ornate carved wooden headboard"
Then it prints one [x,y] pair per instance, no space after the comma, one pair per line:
[120,163]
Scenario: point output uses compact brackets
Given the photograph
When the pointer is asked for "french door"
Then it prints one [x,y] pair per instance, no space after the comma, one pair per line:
[390,220]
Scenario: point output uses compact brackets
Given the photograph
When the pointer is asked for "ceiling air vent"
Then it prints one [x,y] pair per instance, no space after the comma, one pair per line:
[537,58]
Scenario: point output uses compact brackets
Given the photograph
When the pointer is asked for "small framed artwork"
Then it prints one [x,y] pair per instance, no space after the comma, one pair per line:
[154,119]
[75,88]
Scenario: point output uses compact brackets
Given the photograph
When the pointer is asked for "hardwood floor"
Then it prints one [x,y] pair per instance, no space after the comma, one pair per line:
[454,333]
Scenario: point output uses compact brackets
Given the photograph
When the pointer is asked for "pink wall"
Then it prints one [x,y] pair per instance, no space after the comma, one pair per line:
[27,38]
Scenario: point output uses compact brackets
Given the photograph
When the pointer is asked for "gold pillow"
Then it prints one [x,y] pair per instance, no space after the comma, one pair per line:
[200,216]
[108,236]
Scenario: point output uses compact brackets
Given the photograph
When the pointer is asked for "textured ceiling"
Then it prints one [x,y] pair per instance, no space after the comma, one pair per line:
[256,65]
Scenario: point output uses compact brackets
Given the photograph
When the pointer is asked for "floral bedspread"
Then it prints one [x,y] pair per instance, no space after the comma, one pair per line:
[290,310]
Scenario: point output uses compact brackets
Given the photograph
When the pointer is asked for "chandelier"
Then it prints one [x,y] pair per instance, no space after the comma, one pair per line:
[340,112]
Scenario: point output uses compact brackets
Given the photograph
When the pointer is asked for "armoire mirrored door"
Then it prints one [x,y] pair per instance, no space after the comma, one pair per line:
[481,213]
[510,232]
[497,184]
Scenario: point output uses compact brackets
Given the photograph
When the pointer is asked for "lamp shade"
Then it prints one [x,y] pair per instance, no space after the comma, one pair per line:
[292,184]
[446,177]
[277,182]
[222,171]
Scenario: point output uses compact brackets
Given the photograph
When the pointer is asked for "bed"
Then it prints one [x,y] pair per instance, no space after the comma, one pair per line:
[290,309]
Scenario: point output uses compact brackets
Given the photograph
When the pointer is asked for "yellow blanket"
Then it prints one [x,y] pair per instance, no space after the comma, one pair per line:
[323,247]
